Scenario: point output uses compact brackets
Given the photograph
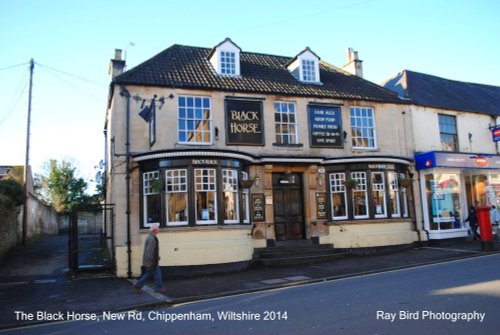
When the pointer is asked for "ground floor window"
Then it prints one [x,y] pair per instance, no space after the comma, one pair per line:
[184,194]
[152,198]
[364,191]
[443,201]
[206,196]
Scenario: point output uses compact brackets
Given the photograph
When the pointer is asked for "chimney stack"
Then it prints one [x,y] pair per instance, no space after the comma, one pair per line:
[353,65]
[116,65]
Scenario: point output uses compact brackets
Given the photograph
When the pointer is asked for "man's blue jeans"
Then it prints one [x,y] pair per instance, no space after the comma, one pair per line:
[150,273]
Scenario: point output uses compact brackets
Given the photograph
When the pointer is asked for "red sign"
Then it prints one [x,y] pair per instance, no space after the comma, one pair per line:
[481,161]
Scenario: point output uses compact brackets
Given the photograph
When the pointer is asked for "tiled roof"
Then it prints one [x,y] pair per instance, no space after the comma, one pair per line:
[427,90]
[188,67]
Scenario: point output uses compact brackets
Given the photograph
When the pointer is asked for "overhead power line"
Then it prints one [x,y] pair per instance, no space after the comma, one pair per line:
[13,66]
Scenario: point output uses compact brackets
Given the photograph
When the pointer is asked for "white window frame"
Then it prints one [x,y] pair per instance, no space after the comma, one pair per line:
[246,199]
[404,196]
[379,187]
[394,194]
[230,184]
[363,127]
[189,114]
[227,63]
[309,67]
[285,110]
[148,190]
[360,177]
[205,187]
[337,186]
[176,182]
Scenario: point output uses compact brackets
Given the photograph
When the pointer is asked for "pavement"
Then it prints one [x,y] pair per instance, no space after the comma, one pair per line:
[35,278]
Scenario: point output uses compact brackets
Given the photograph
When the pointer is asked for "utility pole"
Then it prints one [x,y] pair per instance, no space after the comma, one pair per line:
[26,164]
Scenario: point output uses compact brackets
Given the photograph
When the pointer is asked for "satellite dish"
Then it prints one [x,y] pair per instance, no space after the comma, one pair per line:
[101,164]
[98,176]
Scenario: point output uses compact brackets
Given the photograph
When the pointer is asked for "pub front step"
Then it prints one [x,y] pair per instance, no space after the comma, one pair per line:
[296,254]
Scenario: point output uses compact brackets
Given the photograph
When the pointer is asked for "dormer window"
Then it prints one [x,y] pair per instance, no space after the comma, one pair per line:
[228,63]
[305,67]
[309,70]
[225,58]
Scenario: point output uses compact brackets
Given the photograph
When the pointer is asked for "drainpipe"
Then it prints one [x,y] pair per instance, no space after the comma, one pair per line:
[126,94]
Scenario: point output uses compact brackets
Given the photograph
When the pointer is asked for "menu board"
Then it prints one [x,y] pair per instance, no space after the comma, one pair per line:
[325,127]
[321,205]
[258,207]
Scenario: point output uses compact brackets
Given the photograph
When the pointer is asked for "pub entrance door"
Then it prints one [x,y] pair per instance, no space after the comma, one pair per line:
[288,206]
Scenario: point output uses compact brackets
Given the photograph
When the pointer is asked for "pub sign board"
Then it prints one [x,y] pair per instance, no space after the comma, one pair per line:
[325,126]
[244,122]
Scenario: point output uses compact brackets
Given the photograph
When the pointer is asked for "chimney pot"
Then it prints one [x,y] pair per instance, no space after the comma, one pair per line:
[118,54]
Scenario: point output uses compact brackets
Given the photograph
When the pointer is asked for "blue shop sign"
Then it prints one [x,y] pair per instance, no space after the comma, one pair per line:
[433,159]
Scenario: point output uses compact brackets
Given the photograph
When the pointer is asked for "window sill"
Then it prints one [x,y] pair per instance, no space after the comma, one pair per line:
[367,221]
[358,149]
[280,145]
[212,227]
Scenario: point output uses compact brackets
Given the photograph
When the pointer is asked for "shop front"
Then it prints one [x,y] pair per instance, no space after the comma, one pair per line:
[451,183]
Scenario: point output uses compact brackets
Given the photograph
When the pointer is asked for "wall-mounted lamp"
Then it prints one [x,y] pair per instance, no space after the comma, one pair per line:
[216,133]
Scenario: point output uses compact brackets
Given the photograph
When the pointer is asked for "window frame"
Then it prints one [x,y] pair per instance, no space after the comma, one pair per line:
[337,186]
[203,190]
[394,194]
[227,61]
[146,192]
[367,129]
[168,195]
[362,187]
[444,130]
[189,114]
[233,181]
[381,187]
[308,73]
[281,109]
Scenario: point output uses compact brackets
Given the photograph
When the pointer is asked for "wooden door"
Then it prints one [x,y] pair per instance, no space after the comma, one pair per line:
[288,206]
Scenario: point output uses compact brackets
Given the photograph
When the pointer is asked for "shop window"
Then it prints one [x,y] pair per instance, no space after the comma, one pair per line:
[231,204]
[285,118]
[363,128]
[177,197]
[448,132]
[360,195]
[378,194]
[394,195]
[338,196]
[194,120]
[443,201]
[206,196]
[151,184]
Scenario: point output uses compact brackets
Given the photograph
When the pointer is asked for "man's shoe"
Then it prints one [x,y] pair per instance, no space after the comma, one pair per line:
[161,290]
[137,289]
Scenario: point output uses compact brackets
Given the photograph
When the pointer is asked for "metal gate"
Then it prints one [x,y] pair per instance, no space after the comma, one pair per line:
[91,239]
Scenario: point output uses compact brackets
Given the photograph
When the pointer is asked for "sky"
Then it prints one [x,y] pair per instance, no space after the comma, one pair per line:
[71,43]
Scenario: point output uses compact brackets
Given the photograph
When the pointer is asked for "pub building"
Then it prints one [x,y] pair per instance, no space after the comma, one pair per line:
[232,152]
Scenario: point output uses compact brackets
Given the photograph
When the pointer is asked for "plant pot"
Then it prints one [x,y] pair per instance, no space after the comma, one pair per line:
[246,183]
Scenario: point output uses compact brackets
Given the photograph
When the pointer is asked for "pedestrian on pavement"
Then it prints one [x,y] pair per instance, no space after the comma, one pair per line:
[150,261]
[495,219]
[472,219]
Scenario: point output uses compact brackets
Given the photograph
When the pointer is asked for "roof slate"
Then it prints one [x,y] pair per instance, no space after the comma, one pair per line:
[432,91]
[188,67]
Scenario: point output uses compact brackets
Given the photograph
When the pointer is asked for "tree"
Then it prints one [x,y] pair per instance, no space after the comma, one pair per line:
[60,188]
[11,193]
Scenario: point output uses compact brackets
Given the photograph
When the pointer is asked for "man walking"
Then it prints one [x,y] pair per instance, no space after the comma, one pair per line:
[150,262]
